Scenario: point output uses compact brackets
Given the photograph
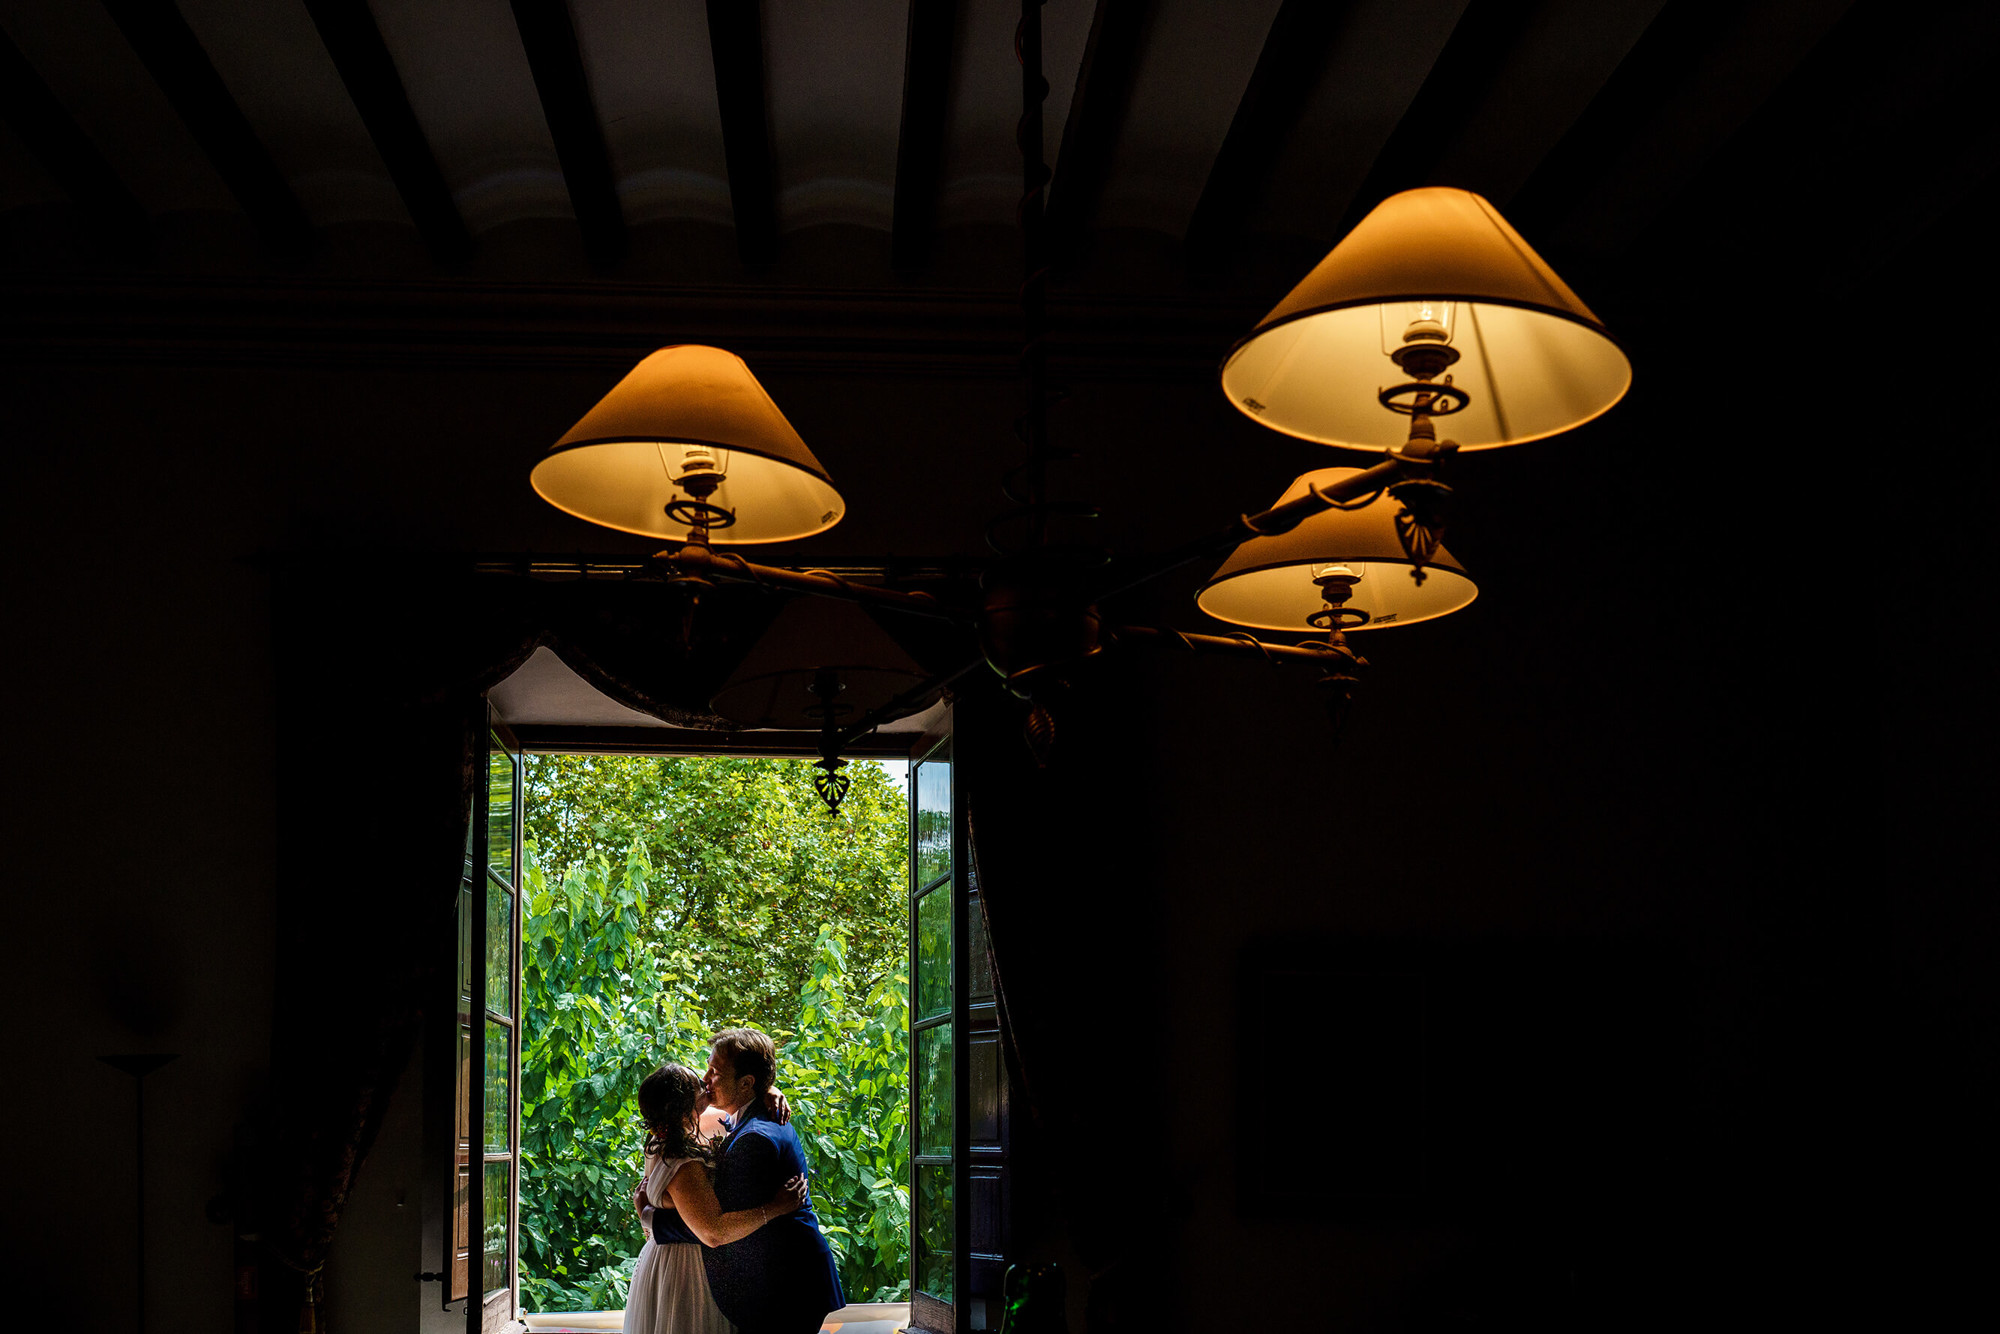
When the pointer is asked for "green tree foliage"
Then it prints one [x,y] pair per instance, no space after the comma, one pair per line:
[747,865]
[618,976]
[847,1072]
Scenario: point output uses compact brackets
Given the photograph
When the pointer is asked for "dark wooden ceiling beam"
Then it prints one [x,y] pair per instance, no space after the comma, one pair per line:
[736,44]
[549,37]
[1659,62]
[1295,53]
[1479,48]
[1096,111]
[174,57]
[350,35]
[927,48]
[109,211]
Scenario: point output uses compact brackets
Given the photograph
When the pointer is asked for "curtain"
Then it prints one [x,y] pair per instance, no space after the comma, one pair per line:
[381,675]
[1064,861]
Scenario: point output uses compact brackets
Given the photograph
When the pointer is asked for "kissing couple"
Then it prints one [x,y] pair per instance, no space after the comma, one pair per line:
[732,1239]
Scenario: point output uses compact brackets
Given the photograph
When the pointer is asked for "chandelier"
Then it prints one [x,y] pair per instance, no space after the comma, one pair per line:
[1432,312]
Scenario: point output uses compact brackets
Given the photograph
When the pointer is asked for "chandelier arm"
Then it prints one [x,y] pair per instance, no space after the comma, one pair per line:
[869,721]
[1241,645]
[1278,519]
[695,558]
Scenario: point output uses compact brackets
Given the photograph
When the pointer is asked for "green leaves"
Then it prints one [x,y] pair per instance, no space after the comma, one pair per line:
[846,1071]
[667,897]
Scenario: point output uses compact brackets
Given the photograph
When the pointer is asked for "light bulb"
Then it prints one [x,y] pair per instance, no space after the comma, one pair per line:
[702,461]
[1347,571]
[1426,321]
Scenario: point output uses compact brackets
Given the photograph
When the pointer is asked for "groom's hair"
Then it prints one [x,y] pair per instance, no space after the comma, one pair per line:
[749,1053]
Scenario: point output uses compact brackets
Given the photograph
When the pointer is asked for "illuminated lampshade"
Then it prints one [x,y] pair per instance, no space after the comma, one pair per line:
[689,412]
[1268,581]
[771,688]
[1435,266]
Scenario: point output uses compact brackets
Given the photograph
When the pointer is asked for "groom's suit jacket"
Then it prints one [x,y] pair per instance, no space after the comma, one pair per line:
[783,1274]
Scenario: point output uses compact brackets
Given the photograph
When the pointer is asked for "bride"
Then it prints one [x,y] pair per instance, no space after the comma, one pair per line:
[669,1292]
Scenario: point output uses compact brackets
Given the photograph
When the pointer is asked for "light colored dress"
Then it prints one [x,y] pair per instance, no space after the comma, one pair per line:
[669,1286]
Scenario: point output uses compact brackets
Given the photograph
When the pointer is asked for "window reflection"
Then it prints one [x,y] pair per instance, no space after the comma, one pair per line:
[500,813]
[933,954]
[497,1072]
[933,1232]
[933,1093]
[493,1232]
[499,950]
[933,832]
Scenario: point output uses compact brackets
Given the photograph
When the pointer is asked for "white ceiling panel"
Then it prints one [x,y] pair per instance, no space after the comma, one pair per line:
[653,82]
[1194,63]
[833,76]
[469,83]
[271,59]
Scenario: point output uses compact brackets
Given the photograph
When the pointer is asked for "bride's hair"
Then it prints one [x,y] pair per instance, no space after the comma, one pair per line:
[666,1105]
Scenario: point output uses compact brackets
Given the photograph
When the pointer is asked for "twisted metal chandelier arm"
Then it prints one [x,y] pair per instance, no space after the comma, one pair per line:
[1278,519]
[1241,645]
[695,558]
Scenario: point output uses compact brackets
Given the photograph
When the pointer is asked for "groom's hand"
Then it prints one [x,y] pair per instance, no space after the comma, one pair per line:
[640,1204]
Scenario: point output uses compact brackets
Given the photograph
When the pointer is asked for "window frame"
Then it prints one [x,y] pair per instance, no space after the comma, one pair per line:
[465,1043]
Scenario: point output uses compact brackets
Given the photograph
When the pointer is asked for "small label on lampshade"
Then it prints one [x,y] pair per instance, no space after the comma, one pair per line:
[1253,405]
[1383,619]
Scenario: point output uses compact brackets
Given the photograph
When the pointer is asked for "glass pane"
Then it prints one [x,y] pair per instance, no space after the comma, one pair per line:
[933,954]
[933,820]
[934,1093]
[493,1272]
[464,951]
[984,1075]
[499,950]
[979,974]
[497,1036]
[500,813]
[932,1233]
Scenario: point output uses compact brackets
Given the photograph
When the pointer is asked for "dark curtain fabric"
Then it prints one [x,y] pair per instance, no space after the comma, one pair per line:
[1064,859]
[381,676]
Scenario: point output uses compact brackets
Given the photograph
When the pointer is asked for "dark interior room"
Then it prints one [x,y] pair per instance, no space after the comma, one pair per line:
[1608,954]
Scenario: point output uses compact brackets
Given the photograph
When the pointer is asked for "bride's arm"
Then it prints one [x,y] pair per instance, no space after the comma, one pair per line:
[640,1202]
[694,1195]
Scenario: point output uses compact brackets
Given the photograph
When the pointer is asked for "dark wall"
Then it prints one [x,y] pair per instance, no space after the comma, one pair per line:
[1632,761]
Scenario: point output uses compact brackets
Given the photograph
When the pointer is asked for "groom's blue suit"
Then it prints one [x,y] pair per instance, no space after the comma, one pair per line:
[781,1279]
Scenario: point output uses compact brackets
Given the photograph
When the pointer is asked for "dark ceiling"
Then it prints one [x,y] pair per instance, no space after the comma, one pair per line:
[239,175]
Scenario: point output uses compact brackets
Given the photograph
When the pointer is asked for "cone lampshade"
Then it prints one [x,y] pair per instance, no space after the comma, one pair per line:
[771,689]
[619,466]
[1268,581]
[1432,264]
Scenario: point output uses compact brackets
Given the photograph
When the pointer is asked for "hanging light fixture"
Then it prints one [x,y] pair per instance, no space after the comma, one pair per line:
[1289,580]
[1435,285]
[689,446]
[1433,307]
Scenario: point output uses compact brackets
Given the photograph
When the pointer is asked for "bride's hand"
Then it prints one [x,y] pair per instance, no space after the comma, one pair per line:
[781,1111]
[791,1196]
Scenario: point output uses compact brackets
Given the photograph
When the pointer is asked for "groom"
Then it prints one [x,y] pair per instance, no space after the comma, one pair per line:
[781,1279]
